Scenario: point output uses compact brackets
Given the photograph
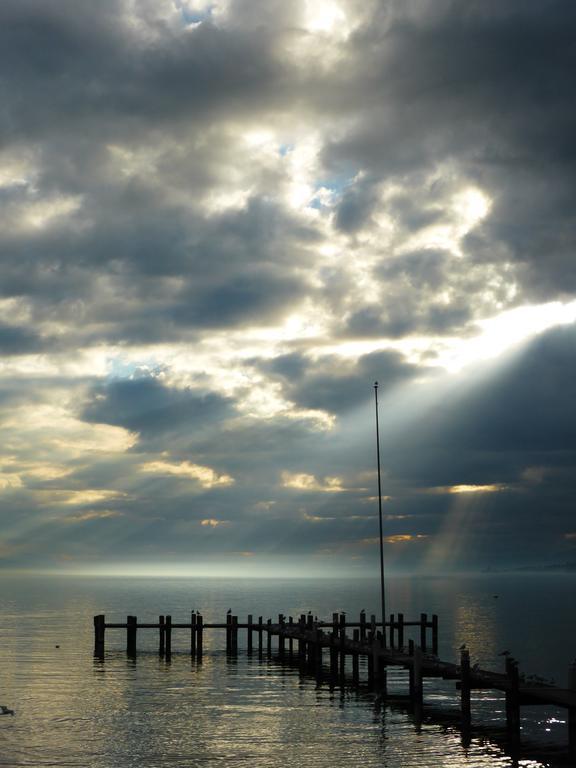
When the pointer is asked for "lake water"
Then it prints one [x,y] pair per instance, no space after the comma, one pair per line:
[73,710]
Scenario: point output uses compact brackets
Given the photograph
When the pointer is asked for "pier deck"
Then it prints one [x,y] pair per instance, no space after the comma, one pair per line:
[383,645]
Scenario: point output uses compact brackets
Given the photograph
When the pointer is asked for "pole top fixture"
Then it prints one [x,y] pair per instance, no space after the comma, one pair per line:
[375,385]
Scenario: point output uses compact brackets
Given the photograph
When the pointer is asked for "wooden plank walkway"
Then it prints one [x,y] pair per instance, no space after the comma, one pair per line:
[383,646]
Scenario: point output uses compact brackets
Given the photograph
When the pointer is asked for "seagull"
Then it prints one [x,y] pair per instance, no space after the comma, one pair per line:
[229,611]
[504,653]
[5,711]
[56,646]
[462,647]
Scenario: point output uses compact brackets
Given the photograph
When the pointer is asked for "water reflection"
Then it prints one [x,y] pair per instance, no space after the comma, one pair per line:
[73,710]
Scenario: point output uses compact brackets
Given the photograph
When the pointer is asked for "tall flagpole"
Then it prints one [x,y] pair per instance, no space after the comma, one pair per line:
[382,593]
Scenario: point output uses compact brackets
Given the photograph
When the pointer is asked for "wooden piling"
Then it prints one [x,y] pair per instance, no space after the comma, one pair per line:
[423,631]
[260,634]
[281,636]
[418,688]
[435,634]
[380,666]
[192,634]
[370,660]
[99,635]
[513,701]
[249,636]
[318,654]
[168,636]
[290,639]
[199,637]
[131,623]
[400,642]
[162,635]
[392,627]
[411,670]
[228,634]
[362,626]
[269,639]
[376,666]
[342,666]
[235,635]
[465,688]
[356,659]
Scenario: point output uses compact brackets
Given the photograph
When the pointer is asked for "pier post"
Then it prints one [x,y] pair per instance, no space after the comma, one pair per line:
[99,633]
[435,634]
[342,669]
[131,635]
[260,630]
[228,634]
[301,640]
[162,635]
[411,670]
[334,653]
[362,626]
[199,637]
[235,635]
[281,636]
[356,659]
[168,636]
[381,673]
[249,635]
[400,631]
[376,666]
[465,688]
[418,695]
[513,701]
[572,713]
[370,659]
[423,631]
[318,637]
[192,634]
[269,638]
[290,639]
[392,627]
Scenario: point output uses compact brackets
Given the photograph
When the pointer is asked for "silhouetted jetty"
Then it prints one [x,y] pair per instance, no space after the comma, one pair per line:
[411,645]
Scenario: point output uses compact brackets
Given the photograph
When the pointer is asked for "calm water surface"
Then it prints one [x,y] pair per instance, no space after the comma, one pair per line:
[72,710]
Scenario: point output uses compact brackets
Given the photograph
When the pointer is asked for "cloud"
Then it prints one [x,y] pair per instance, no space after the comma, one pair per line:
[223,222]
[147,406]
[206,477]
[335,384]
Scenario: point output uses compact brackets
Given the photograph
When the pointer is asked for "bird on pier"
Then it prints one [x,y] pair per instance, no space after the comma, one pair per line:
[462,647]
[229,611]
[5,710]
[504,653]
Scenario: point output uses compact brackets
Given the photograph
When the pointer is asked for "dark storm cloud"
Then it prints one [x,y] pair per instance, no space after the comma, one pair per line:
[334,384]
[146,406]
[85,67]
[142,215]
[484,86]
[18,341]
[237,300]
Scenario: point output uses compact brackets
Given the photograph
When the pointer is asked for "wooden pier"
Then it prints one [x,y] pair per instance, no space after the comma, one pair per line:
[411,645]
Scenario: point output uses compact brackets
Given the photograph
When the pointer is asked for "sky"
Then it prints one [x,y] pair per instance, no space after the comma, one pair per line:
[222,221]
